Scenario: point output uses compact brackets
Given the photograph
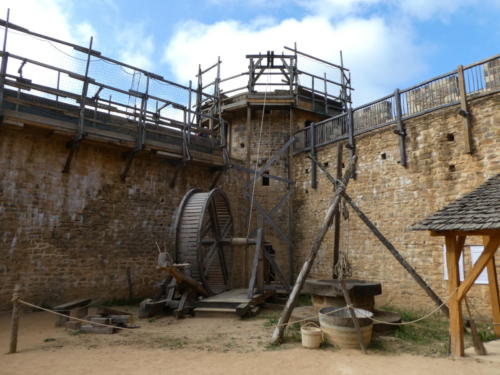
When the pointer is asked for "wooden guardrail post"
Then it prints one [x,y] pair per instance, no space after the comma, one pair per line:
[3,67]
[351,145]
[279,331]
[314,168]
[14,327]
[400,129]
[464,110]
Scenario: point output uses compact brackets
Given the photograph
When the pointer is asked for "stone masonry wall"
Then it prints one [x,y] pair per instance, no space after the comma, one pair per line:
[394,198]
[72,235]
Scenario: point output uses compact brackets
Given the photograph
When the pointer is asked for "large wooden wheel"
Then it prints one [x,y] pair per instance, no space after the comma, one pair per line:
[203,225]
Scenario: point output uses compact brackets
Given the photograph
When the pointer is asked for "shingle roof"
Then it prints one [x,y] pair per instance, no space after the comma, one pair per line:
[479,209]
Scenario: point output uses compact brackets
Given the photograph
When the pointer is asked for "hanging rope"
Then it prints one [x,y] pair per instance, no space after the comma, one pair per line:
[257,161]
[342,268]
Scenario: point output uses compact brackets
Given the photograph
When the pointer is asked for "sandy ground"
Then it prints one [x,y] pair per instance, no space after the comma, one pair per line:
[201,345]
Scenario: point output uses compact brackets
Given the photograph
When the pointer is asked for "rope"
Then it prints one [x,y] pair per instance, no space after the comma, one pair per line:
[257,162]
[312,317]
[67,316]
[410,322]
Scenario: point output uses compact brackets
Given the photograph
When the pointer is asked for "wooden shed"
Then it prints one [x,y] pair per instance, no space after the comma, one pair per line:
[475,214]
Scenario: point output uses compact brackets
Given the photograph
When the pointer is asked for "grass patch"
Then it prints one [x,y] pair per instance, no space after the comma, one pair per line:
[274,347]
[293,334]
[425,337]
[485,332]
[171,342]
[377,345]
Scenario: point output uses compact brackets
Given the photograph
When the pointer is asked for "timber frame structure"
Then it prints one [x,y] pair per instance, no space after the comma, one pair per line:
[95,98]
[89,97]
[475,214]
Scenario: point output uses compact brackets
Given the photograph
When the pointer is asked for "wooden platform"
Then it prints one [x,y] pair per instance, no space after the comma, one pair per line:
[232,301]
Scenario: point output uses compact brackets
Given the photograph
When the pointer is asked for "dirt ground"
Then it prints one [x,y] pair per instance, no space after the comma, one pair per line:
[201,345]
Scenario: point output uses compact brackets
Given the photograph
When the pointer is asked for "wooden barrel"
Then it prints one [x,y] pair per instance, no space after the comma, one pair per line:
[338,328]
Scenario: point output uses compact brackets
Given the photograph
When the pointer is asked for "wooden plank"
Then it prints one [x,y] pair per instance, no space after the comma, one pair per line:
[231,296]
[108,136]
[478,232]
[306,267]
[456,318]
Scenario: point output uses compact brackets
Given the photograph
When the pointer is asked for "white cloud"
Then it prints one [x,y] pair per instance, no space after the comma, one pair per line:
[56,18]
[379,54]
[138,47]
[48,17]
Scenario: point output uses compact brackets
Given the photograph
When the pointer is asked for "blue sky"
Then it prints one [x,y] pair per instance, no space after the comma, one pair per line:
[386,43]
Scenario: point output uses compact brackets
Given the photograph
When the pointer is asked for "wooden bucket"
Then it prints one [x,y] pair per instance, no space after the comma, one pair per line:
[338,328]
[311,335]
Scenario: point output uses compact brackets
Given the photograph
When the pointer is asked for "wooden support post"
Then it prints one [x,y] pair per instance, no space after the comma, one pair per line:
[129,157]
[306,267]
[325,91]
[400,130]
[336,226]
[397,255]
[3,67]
[74,144]
[355,320]
[490,246]
[290,201]
[248,134]
[476,340]
[351,142]
[391,247]
[255,264]
[314,167]
[14,327]
[469,149]
[456,318]
[494,295]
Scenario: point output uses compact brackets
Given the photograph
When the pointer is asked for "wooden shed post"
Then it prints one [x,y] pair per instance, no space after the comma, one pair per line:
[14,328]
[456,319]
[494,295]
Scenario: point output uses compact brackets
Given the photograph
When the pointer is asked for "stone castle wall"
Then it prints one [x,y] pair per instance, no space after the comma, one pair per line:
[86,233]
[394,198]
